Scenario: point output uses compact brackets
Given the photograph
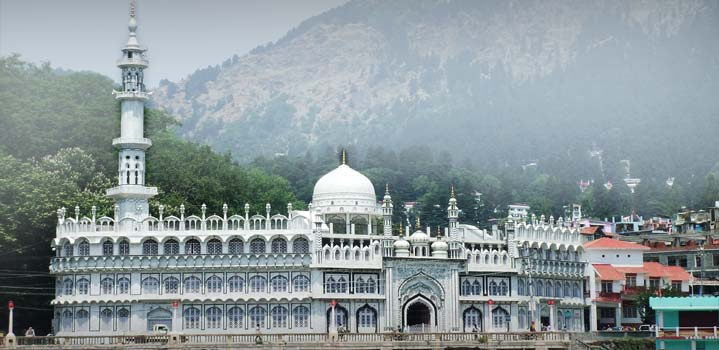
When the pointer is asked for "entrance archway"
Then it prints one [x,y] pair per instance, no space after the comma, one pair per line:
[419,315]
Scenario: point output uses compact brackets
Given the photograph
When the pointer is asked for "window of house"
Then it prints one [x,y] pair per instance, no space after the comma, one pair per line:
[107,248]
[213,317]
[716,259]
[214,246]
[106,285]
[301,283]
[123,248]
[235,317]
[192,284]
[606,312]
[279,284]
[123,285]
[235,246]
[171,247]
[257,316]
[150,285]
[631,280]
[677,285]
[192,247]
[466,288]
[214,284]
[629,311]
[606,286]
[500,318]
[301,316]
[236,284]
[279,317]
[654,283]
[279,245]
[83,249]
[258,284]
[367,317]
[300,245]
[191,318]
[257,246]
[83,286]
[149,247]
[172,285]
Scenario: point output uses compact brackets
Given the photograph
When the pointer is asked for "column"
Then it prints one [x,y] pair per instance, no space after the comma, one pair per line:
[552,317]
[593,317]
[618,315]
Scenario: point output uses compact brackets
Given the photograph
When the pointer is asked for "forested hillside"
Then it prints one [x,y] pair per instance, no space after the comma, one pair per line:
[56,130]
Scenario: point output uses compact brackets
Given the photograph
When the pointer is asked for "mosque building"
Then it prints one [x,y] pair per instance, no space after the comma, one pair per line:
[335,266]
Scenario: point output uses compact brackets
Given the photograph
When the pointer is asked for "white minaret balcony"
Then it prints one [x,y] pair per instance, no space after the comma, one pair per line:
[135,61]
[132,191]
[132,143]
[131,95]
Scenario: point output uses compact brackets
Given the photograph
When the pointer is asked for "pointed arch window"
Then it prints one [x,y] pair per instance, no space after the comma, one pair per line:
[213,317]
[106,319]
[108,248]
[67,319]
[300,246]
[539,288]
[67,286]
[172,285]
[123,319]
[258,314]
[67,249]
[472,319]
[191,318]
[567,289]
[214,246]
[150,285]
[301,317]
[83,286]
[366,317]
[83,248]
[192,247]
[149,247]
[171,247]
[279,246]
[235,246]
[371,285]
[279,317]
[558,290]
[500,319]
[123,285]
[235,317]
[493,288]
[301,283]
[520,287]
[279,284]
[258,284]
[257,246]
[123,248]
[106,285]
[548,292]
[360,285]
[577,290]
[476,288]
[503,288]
[331,285]
[82,319]
[192,284]
[342,285]
[466,288]
[235,284]
[214,285]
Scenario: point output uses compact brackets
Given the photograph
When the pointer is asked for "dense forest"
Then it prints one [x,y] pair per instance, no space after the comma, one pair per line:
[56,129]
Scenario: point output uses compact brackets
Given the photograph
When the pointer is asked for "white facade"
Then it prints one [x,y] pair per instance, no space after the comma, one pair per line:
[281,271]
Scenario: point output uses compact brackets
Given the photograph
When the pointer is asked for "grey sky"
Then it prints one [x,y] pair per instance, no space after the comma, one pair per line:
[181,35]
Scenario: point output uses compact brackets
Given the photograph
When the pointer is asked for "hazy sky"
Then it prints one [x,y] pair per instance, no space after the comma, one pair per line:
[181,35]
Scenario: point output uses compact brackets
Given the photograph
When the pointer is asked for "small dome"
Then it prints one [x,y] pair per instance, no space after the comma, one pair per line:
[440,246]
[401,244]
[344,182]
[419,237]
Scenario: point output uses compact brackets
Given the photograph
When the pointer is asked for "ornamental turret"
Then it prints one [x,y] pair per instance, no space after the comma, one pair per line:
[453,216]
[387,212]
[131,194]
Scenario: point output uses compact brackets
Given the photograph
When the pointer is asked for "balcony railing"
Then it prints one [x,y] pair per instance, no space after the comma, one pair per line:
[555,267]
[686,332]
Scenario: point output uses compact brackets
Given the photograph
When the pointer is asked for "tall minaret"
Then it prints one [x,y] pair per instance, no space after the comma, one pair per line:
[455,251]
[388,241]
[131,194]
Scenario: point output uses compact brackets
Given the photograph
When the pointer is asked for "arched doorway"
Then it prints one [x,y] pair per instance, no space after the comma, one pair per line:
[472,317]
[159,316]
[419,315]
[340,316]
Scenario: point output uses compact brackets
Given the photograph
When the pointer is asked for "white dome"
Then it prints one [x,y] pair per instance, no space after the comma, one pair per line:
[440,246]
[344,183]
[401,244]
[419,237]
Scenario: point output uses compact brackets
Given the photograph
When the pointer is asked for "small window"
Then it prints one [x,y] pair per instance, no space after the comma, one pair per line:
[129,54]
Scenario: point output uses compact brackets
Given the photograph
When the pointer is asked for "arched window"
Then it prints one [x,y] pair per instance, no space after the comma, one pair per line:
[235,284]
[300,246]
[106,319]
[476,288]
[548,292]
[371,285]
[360,285]
[213,317]
[123,285]
[331,285]
[149,247]
[500,319]
[279,284]
[493,290]
[301,317]
[366,317]
[279,246]
[539,290]
[214,285]
[301,283]
[83,286]
[106,285]
[567,289]
[258,314]
[67,286]
[214,246]
[150,285]
[503,288]
[577,290]
[235,246]
[123,248]
[67,319]
[279,317]
[258,284]
[257,246]
[82,319]
[235,317]
[520,287]
[472,319]
[192,247]
[83,248]
[342,285]
[522,319]
[191,317]
[67,251]
[123,320]
[172,285]
[466,288]
[107,250]
[171,247]
[192,284]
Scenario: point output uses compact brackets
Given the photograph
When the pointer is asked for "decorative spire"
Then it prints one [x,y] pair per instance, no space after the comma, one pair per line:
[344,157]
[439,232]
[386,188]
[417,225]
[132,8]
[451,195]
[132,26]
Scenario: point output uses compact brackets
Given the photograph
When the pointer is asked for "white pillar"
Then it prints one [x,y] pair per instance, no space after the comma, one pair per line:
[10,332]
[552,317]
[593,317]
[618,315]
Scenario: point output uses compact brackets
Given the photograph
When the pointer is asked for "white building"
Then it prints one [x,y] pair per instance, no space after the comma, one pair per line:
[289,271]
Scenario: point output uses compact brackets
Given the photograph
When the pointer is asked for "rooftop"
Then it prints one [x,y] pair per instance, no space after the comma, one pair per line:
[609,243]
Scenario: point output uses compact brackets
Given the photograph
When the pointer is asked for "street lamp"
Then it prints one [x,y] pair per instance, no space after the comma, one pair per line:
[701,268]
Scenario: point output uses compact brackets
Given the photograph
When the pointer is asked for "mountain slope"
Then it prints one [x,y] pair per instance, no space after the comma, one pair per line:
[499,82]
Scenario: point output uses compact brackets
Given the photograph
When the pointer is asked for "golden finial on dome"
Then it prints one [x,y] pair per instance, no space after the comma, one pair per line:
[439,232]
[386,188]
[132,8]
[417,225]
[452,193]
[401,230]
[344,157]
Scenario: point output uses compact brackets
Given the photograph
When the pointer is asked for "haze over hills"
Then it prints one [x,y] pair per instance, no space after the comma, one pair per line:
[499,83]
